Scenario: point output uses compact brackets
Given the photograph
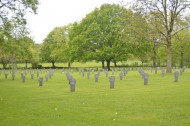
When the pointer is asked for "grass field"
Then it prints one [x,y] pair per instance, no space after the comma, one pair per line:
[162,102]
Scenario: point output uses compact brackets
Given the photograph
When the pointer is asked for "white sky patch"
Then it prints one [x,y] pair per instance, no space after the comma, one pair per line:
[55,13]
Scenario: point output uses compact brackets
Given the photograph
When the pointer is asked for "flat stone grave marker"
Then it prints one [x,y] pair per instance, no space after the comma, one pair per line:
[37,74]
[62,71]
[112,72]
[40,81]
[13,76]
[92,71]
[145,76]
[23,79]
[71,70]
[88,75]
[116,69]
[96,77]
[13,72]
[181,71]
[47,77]
[125,72]
[25,73]
[72,83]
[80,72]
[98,72]
[32,76]
[69,77]
[112,80]
[51,73]
[142,74]
[106,73]
[163,72]
[151,70]
[176,74]
[158,68]
[184,68]
[121,75]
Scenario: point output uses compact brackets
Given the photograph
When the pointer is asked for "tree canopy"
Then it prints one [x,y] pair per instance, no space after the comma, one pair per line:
[13,30]
[166,14]
[54,45]
[103,35]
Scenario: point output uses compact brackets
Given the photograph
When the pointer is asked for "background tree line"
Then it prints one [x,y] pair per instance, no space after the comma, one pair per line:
[15,46]
[152,31]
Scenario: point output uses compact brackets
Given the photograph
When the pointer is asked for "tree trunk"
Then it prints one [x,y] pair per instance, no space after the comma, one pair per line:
[103,66]
[142,62]
[158,62]
[115,63]
[108,64]
[26,64]
[4,65]
[181,62]
[154,56]
[169,57]
[53,64]
[69,65]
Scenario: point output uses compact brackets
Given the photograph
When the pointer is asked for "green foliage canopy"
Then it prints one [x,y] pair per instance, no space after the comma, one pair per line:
[55,45]
[101,35]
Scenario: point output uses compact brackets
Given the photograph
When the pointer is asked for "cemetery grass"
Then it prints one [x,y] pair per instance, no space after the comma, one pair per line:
[162,102]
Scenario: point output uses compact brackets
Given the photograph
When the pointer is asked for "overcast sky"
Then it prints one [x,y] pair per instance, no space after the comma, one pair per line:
[55,13]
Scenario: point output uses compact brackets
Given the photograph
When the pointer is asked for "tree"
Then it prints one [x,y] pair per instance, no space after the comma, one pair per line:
[54,45]
[13,50]
[137,35]
[35,50]
[166,12]
[26,45]
[12,27]
[12,14]
[143,50]
[9,49]
[3,49]
[15,10]
[181,47]
[99,35]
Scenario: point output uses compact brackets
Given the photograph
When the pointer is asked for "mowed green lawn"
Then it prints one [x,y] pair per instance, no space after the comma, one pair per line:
[162,102]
